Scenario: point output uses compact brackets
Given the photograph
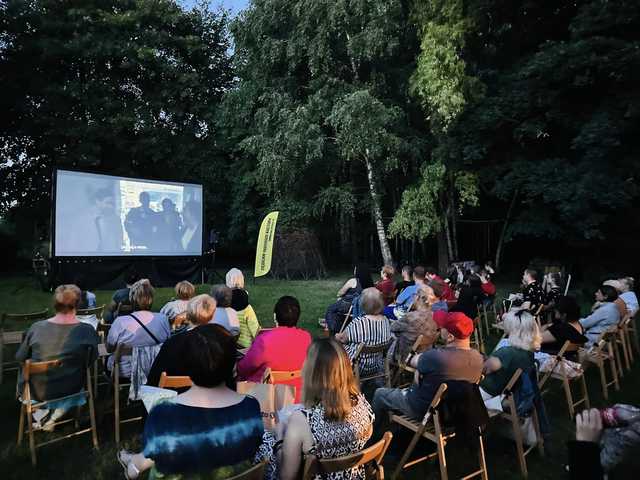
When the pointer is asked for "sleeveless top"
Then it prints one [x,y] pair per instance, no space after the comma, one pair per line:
[352,293]
[333,439]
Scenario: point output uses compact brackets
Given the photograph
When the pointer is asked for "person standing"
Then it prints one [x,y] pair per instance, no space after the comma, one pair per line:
[141,223]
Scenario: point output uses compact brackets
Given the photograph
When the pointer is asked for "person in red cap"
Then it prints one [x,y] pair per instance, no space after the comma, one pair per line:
[455,361]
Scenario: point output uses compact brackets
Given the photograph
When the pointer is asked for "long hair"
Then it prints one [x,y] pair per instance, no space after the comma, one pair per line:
[523,329]
[363,275]
[327,379]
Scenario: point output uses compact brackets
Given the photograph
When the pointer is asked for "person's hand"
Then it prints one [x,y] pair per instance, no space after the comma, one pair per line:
[588,426]
[341,337]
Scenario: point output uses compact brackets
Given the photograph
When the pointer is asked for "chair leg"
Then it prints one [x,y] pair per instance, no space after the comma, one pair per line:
[585,392]
[625,353]
[617,359]
[517,435]
[614,370]
[21,424]
[32,440]
[406,455]
[483,461]
[116,408]
[92,412]
[536,427]
[442,459]
[603,379]
[567,393]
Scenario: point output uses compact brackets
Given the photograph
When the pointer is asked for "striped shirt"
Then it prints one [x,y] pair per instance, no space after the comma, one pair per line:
[370,332]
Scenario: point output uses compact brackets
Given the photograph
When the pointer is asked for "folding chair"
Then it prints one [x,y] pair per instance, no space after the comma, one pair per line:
[381,349]
[602,352]
[403,366]
[97,311]
[15,337]
[622,342]
[370,457]
[559,372]
[633,332]
[174,381]
[28,404]
[121,351]
[477,341]
[511,415]
[347,319]
[254,473]
[431,427]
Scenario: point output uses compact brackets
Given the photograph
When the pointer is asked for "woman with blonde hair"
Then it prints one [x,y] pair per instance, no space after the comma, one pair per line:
[249,325]
[178,307]
[628,295]
[524,338]
[336,419]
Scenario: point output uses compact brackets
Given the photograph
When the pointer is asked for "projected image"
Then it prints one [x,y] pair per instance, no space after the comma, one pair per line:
[101,215]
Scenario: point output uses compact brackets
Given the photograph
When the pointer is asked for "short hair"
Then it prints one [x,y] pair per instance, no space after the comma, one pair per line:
[388,271]
[287,311]
[568,306]
[222,295]
[419,272]
[522,329]
[209,355]
[141,294]
[430,270]
[185,290]
[371,301]
[532,273]
[200,309]
[407,269]
[437,287]
[327,379]
[627,283]
[66,298]
[609,293]
[234,278]
[556,278]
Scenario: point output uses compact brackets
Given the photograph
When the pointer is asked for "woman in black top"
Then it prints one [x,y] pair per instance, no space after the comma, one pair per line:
[564,327]
[470,296]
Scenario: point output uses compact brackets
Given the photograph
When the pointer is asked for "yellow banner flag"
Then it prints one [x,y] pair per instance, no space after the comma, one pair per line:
[264,249]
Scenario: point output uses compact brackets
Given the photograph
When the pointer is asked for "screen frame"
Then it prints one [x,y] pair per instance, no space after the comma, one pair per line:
[54,193]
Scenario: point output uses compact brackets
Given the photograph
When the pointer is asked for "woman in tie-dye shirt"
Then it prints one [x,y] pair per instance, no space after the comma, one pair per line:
[209,431]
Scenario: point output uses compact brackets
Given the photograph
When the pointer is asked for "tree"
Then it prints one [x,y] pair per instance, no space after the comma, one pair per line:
[118,86]
[322,96]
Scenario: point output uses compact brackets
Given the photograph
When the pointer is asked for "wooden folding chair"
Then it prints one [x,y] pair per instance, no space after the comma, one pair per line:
[254,473]
[28,404]
[174,381]
[121,351]
[622,343]
[633,332]
[431,428]
[477,341]
[14,337]
[97,311]
[602,352]
[370,457]
[404,366]
[559,372]
[381,349]
[347,319]
[511,415]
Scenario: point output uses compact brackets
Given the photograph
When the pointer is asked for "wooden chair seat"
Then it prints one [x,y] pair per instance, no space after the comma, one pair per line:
[174,381]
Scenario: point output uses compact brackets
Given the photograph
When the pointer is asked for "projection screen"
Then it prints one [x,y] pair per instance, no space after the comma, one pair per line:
[102,215]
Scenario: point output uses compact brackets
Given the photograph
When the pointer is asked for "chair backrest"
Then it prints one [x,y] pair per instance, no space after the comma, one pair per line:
[36,368]
[280,376]
[174,381]
[123,308]
[373,455]
[414,349]
[122,350]
[97,311]
[364,349]
[558,359]
[254,473]
[435,403]
[346,319]
[23,317]
[507,391]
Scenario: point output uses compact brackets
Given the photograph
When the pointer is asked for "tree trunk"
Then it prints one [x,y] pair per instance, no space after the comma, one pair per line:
[454,227]
[504,230]
[385,250]
[443,258]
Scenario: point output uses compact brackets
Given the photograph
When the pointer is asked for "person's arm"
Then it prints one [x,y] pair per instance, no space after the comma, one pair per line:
[596,317]
[492,364]
[547,336]
[291,452]
[254,359]
[351,283]
[252,321]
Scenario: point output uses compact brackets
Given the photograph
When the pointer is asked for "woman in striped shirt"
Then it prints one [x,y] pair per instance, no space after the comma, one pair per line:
[372,328]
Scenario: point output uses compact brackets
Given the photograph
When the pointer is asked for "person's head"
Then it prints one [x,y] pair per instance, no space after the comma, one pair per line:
[419,274]
[200,309]
[191,213]
[387,272]
[362,274]
[627,284]
[529,276]
[615,284]
[168,206]
[371,301]
[423,299]
[454,326]
[234,278]
[522,329]
[185,290]
[222,295]
[287,311]
[145,199]
[104,200]
[567,309]
[606,293]
[435,289]
[430,272]
[209,355]
[131,277]
[66,298]
[484,273]
[430,330]
[327,379]
[407,273]
[141,294]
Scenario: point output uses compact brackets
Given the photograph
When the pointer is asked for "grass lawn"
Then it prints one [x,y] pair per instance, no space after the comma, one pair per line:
[74,459]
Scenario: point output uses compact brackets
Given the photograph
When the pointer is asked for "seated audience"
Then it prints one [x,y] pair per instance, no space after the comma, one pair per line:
[435,293]
[455,361]
[622,306]
[487,286]
[524,339]
[351,289]
[208,431]
[371,329]
[407,329]
[533,296]
[87,300]
[405,300]
[281,348]
[171,357]
[225,315]
[605,316]
[385,285]
[138,329]
[249,325]
[120,299]
[336,419]
[61,336]
[431,274]
[407,280]
[566,326]
[470,296]
[628,295]
[553,289]
[177,308]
